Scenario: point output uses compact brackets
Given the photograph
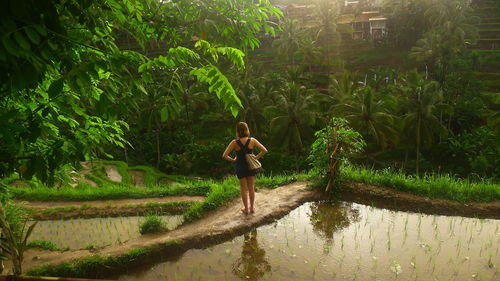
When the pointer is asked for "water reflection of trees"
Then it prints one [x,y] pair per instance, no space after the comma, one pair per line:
[252,265]
[328,217]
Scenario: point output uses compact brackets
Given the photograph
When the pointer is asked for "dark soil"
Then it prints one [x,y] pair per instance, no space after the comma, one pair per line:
[388,198]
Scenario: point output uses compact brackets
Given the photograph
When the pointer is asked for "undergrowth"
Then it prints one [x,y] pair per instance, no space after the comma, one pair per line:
[46,245]
[108,192]
[94,266]
[152,223]
[220,193]
[435,186]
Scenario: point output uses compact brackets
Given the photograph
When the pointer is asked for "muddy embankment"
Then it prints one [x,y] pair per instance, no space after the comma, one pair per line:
[229,221]
[403,201]
[172,205]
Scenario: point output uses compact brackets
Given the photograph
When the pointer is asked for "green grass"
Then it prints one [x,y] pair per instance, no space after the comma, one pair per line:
[152,176]
[491,84]
[59,210]
[495,29]
[94,266]
[279,180]
[46,245]
[108,192]
[163,206]
[434,186]
[122,168]
[152,223]
[220,194]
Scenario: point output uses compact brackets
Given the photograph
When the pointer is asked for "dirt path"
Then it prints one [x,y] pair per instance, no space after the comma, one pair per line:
[43,205]
[223,223]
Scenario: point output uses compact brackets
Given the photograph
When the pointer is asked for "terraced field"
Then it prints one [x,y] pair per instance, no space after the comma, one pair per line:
[488,45]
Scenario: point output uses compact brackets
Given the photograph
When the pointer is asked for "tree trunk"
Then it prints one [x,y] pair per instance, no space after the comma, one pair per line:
[126,153]
[158,152]
[418,145]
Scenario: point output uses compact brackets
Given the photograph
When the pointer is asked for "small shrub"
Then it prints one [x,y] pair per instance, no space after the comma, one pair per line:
[153,223]
[43,244]
[333,147]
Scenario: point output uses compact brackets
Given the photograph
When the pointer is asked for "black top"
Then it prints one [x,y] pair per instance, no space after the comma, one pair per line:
[241,166]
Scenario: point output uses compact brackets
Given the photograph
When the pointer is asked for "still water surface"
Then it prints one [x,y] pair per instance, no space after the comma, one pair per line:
[96,232]
[345,241]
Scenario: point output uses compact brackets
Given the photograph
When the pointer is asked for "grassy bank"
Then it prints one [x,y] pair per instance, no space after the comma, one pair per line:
[108,192]
[434,186]
[95,266]
[111,191]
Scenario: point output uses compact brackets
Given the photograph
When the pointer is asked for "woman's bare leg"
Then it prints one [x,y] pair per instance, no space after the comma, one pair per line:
[244,194]
[251,192]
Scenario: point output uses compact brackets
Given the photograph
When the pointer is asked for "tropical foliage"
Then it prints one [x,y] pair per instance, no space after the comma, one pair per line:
[69,67]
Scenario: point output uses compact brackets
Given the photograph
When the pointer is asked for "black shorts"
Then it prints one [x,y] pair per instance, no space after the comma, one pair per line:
[243,172]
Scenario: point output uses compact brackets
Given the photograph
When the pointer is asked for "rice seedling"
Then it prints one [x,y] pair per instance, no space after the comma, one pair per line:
[396,268]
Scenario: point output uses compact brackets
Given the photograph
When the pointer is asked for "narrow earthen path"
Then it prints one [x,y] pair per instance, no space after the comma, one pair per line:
[222,223]
[43,205]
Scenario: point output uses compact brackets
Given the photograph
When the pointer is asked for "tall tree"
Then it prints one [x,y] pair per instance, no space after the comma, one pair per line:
[423,104]
[62,70]
[293,117]
[370,115]
[327,13]
[289,40]
[451,29]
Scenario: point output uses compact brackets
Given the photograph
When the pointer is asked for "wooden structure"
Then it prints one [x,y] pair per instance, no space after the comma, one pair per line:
[369,24]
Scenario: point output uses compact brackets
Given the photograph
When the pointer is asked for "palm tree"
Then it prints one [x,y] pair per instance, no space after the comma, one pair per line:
[251,89]
[309,51]
[327,13]
[343,86]
[369,114]
[423,103]
[293,116]
[451,29]
[289,40]
[340,88]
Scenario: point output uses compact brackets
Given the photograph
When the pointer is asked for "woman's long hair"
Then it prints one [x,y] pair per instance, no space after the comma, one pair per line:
[242,130]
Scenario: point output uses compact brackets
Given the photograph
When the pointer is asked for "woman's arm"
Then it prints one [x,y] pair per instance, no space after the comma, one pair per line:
[228,150]
[263,149]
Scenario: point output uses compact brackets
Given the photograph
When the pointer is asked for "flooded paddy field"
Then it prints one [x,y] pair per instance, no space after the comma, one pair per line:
[95,232]
[344,241]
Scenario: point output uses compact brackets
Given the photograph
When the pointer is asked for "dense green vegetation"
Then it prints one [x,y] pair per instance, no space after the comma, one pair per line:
[144,83]
[433,186]
[46,245]
[118,55]
[96,265]
[68,74]
[152,223]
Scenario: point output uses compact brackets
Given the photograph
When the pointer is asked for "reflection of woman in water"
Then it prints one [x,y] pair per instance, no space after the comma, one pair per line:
[253,264]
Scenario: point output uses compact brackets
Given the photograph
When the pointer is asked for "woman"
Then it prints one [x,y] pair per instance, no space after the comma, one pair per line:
[244,144]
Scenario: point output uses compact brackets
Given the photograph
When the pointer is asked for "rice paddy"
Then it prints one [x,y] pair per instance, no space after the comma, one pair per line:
[345,241]
[94,233]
